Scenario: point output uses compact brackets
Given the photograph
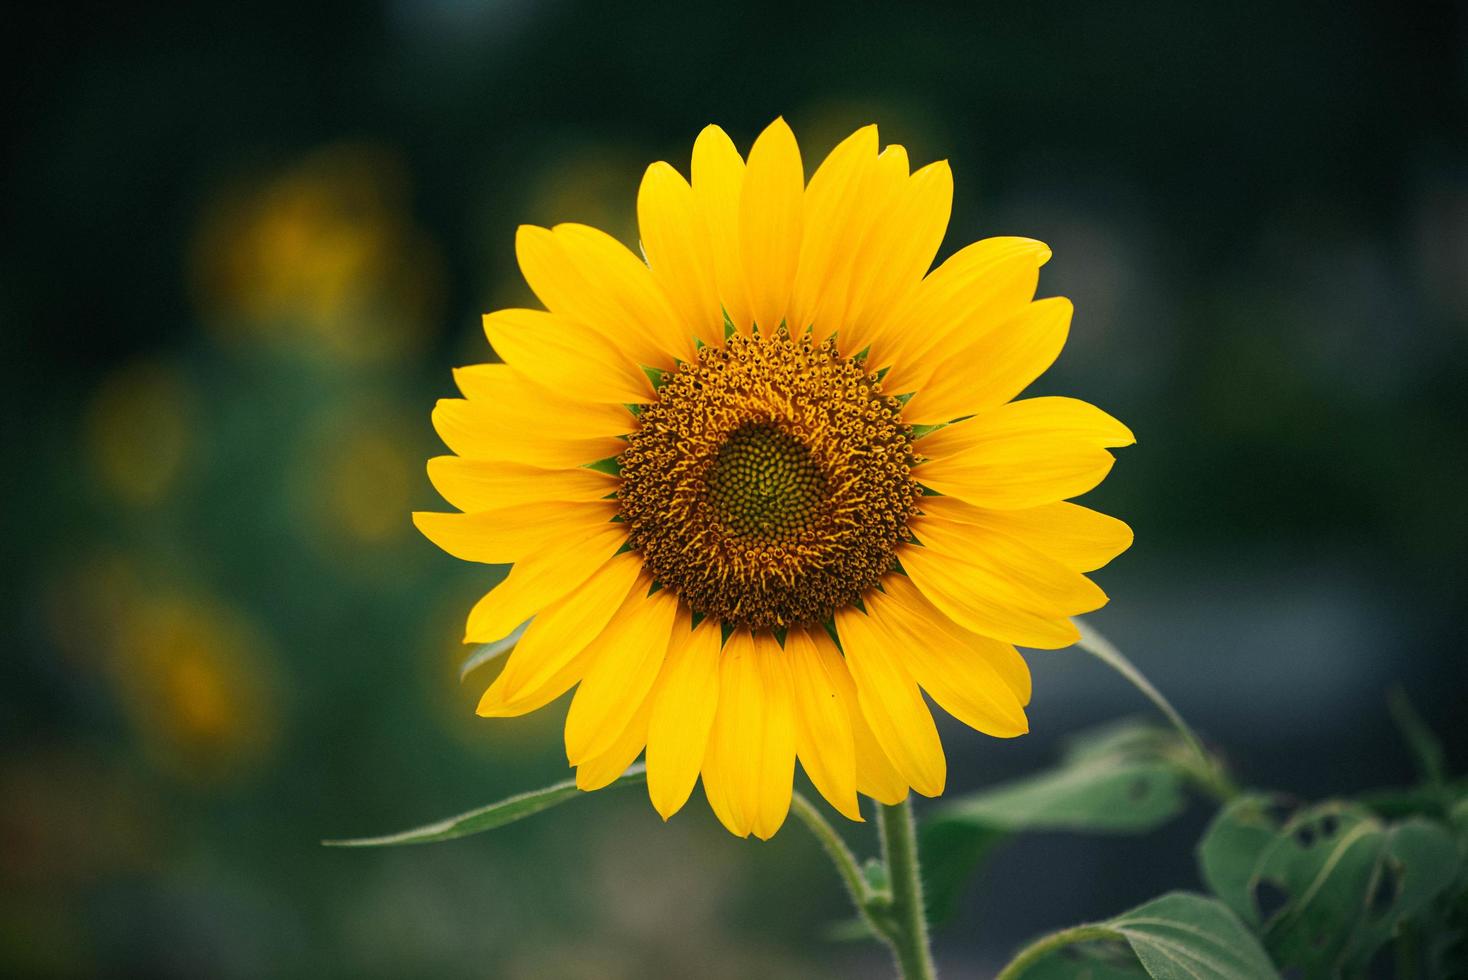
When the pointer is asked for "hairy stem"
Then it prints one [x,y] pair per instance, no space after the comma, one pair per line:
[1045,945]
[909,938]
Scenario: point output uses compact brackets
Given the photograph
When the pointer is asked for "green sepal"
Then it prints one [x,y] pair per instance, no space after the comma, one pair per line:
[830,626]
[657,376]
[609,466]
[918,431]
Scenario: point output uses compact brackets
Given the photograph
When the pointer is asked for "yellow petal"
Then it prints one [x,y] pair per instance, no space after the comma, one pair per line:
[505,535]
[1017,572]
[683,704]
[481,484]
[589,276]
[718,182]
[771,218]
[604,769]
[548,659]
[750,763]
[730,773]
[892,704]
[679,251]
[954,666]
[978,286]
[875,775]
[953,585]
[1077,537]
[481,430]
[623,663]
[520,402]
[834,219]
[776,747]
[1022,454]
[541,579]
[865,244]
[823,738]
[905,242]
[555,353]
[995,367]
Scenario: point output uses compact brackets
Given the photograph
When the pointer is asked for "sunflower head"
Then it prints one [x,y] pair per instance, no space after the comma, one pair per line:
[770,483]
[764,488]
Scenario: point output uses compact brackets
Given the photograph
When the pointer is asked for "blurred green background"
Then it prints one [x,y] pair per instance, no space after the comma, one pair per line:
[243,246]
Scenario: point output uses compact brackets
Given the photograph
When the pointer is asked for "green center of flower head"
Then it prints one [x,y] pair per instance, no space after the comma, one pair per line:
[770,482]
[764,484]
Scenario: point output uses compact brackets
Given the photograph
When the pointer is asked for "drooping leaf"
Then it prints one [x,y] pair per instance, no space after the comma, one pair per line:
[1120,779]
[1427,749]
[1182,936]
[489,651]
[488,817]
[1329,886]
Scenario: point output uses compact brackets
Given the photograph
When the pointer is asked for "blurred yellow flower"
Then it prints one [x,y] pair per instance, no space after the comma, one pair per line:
[196,683]
[138,433]
[764,489]
[323,258]
[350,477]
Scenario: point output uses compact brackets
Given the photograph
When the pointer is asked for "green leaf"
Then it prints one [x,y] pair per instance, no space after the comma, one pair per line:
[875,874]
[1427,750]
[489,651]
[1230,850]
[1117,779]
[488,817]
[1182,936]
[1329,886]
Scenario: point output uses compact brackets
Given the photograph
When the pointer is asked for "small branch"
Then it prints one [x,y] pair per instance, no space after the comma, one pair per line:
[857,889]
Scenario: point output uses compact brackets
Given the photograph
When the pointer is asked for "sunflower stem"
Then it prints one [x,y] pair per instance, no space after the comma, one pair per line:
[909,936]
[861,894]
[1046,945]
[1208,771]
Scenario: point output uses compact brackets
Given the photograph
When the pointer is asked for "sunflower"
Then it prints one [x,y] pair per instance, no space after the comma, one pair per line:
[764,487]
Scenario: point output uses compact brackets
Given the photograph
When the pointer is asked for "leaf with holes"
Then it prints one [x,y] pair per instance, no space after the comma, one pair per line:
[1119,780]
[1329,886]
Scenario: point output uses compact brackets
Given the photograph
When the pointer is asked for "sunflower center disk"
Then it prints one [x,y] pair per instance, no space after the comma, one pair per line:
[770,483]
